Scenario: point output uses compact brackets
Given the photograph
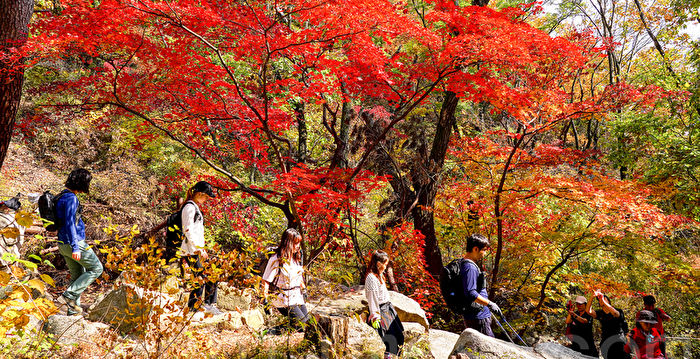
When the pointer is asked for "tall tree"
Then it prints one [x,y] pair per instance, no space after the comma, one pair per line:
[14,28]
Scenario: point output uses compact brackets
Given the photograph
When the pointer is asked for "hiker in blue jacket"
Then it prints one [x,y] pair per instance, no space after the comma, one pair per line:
[83,264]
[478,314]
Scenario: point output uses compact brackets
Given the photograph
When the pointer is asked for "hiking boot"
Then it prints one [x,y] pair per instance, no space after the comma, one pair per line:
[212,309]
[277,330]
[72,307]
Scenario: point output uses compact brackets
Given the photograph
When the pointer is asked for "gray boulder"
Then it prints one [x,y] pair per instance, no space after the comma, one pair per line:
[413,331]
[363,340]
[225,321]
[551,350]
[408,309]
[232,298]
[473,344]
[132,309]
[253,318]
[441,343]
[417,341]
[73,329]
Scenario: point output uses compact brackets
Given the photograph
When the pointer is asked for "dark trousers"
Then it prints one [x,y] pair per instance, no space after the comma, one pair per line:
[209,288]
[296,314]
[481,325]
[390,329]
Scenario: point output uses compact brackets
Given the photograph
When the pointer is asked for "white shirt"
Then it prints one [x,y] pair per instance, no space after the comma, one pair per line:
[192,230]
[376,294]
[289,279]
[10,245]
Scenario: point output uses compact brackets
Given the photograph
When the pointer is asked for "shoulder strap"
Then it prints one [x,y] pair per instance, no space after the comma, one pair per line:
[197,211]
[473,263]
[78,211]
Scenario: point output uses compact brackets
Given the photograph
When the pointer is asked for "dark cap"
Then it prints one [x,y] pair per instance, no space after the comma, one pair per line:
[204,187]
[649,300]
[12,203]
[647,316]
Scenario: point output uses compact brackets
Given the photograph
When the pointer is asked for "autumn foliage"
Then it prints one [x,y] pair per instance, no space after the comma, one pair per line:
[289,104]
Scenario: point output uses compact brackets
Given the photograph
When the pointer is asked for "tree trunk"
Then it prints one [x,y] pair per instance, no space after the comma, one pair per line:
[302,130]
[14,26]
[425,184]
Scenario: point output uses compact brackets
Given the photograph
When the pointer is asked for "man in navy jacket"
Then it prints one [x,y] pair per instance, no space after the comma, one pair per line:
[478,316]
[83,264]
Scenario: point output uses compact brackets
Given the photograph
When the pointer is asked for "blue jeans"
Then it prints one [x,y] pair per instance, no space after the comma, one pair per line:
[82,272]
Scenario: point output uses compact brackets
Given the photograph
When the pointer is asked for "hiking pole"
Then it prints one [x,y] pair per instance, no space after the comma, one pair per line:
[682,338]
[514,332]
[502,329]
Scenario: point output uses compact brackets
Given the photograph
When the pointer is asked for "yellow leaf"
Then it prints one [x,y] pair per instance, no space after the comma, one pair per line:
[37,284]
[46,278]
[24,219]
[4,278]
[10,232]
[18,271]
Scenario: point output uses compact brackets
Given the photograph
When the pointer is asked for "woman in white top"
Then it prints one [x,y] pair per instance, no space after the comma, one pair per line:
[10,243]
[285,273]
[193,249]
[382,315]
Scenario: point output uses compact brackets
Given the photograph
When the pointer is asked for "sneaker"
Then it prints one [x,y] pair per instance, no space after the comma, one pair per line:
[212,309]
[73,307]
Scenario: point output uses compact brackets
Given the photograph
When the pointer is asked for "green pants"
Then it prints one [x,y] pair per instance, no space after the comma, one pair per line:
[82,272]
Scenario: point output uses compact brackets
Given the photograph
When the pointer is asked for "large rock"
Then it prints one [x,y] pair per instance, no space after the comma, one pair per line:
[551,350]
[225,321]
[345,303]
[232,298]
[363,339]
[417,341]
[253,318]
[441,343]
[408,309]
[130,308]
[73,329]
[476,345]
[413,331]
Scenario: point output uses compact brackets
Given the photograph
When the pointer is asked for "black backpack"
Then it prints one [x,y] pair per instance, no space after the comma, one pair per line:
[47,210]
[173,232]
[451,286]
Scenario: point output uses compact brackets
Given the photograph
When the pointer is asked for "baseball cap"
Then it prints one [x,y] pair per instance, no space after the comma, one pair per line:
[581,300]
[204,187]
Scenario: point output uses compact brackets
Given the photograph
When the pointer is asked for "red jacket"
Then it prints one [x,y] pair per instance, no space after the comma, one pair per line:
[647,345]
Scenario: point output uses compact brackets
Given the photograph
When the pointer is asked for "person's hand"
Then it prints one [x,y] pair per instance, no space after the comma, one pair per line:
[571,312]
[76,256]
[494,308]
[375,323]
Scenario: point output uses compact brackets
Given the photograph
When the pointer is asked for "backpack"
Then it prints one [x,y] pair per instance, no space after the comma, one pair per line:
[173,232]
[453,291]
[47,210]
[451,286]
